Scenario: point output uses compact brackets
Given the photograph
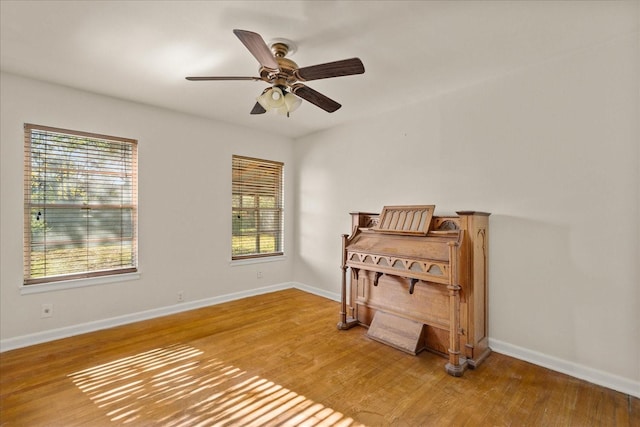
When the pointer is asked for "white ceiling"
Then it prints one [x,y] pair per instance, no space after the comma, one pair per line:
[412,50]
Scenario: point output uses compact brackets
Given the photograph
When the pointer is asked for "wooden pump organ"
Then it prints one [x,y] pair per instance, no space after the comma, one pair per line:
[419,282]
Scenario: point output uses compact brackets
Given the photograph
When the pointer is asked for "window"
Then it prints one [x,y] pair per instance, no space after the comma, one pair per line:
[80,205]
[257,208]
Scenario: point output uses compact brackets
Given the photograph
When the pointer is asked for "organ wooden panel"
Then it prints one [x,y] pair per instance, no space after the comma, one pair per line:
[408,263]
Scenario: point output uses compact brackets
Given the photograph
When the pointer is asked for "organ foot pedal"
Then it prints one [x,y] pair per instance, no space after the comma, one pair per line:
[398,332]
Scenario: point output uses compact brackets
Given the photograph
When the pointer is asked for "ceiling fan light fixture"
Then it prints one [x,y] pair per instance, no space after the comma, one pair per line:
[279,100]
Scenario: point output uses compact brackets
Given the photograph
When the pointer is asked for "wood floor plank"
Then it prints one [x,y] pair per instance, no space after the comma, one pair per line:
[278,359]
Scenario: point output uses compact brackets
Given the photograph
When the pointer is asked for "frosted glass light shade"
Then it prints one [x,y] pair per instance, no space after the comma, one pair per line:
[276,99]
[262,100]
[292,102]
[272,98]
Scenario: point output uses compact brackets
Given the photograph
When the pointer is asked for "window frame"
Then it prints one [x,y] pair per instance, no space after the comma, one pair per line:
[127,207]
[246,188]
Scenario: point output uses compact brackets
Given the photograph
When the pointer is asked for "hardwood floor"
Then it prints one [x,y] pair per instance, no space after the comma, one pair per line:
[278,359]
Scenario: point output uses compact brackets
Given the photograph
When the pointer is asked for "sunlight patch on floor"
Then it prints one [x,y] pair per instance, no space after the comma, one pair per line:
[178,386]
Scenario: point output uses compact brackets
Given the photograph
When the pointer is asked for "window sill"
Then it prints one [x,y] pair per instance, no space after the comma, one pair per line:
[77,283]
[258,260]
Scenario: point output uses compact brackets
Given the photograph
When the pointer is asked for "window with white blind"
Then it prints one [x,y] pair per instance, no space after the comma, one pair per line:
[80,205]
[257,208]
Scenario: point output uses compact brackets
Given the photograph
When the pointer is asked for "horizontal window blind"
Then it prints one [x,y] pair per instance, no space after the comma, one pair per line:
[80,205]
[257,208]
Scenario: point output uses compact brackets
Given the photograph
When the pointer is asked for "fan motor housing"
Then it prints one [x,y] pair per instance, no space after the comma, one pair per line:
[285,75]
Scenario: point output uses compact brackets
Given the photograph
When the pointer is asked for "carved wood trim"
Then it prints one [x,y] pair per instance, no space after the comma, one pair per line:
[431,271]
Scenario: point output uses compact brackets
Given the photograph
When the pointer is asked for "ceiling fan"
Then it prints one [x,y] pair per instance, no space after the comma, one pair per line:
[285,76]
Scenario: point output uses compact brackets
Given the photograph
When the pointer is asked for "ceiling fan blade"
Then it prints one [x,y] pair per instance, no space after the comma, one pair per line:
[258,109]
[315,97]
[195,79]
[258,48]
[346,67]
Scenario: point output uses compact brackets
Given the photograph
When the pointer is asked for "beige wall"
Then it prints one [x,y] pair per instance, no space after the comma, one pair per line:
[552,151]
[184,207]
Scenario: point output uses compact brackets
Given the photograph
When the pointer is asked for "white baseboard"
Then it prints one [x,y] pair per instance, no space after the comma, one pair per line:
[623,385]
[316,291]
[69,331]
[605,379]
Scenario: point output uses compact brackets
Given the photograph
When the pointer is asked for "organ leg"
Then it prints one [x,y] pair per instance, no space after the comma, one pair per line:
[345,323]
[454,367]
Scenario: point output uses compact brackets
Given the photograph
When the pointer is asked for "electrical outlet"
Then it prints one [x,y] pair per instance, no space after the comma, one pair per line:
[181,296]
[259,274]
[46,310]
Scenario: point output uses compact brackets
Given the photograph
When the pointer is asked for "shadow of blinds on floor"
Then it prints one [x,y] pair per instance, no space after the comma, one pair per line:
[177,386]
